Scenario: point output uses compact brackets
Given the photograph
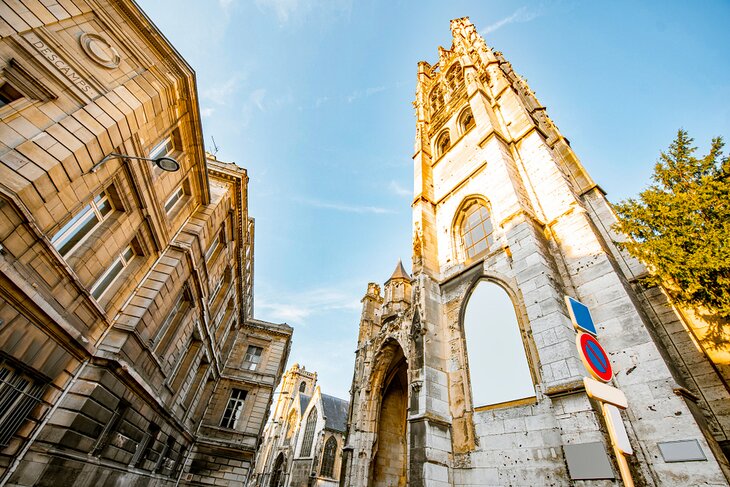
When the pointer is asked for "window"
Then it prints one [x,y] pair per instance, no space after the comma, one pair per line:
[113,272]
[165,327]
[82,224]
[436,99]
[475,229]
[494,343]
[18,396]
[302,386]
[233,409]
[144,446]
[309,434]
[466,120]
[163,149]
[8,94]
[215,245]
[110,427]
[165,454]
[455,77]
[328,458]
[173,200]
[253,357]
[443,143]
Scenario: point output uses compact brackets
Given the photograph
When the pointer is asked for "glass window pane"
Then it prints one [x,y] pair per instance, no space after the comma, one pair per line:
[108,278]
[75,235]
[128,254]
[105,207]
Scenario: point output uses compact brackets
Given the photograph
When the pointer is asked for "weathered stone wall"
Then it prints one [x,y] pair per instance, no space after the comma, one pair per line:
[551,237]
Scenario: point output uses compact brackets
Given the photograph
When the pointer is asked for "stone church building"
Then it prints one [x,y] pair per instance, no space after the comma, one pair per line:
[467,371]
[303,440]
[129,354]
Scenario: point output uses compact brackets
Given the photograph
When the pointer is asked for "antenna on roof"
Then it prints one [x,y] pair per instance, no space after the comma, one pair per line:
[215,147]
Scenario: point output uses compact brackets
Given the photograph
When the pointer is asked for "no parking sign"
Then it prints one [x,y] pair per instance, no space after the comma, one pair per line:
[594,357]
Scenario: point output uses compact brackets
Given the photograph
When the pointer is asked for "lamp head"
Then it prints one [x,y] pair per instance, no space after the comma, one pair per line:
[167,164]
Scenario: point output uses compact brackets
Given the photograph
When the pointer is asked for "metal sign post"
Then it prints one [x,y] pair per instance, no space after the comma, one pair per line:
[596,361]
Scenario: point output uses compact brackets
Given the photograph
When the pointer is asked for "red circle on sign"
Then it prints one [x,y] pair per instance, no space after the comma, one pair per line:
[594,357]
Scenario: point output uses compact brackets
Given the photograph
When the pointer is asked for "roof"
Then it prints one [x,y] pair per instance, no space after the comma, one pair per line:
[303,402]
[400,272]
[335,413]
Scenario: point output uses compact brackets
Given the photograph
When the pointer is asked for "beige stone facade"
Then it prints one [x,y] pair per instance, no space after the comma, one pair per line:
[302,442]
[128,350]
[502,202]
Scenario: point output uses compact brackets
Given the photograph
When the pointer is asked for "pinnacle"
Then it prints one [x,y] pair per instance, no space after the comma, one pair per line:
[400,272]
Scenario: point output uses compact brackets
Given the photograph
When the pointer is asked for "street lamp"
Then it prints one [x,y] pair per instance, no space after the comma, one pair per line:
[165,163]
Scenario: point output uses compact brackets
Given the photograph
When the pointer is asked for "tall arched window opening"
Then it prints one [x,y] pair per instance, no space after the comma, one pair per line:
[302,386]
[443,143]
[474,228]
[455,77]
[436,99]
[498,366]
[466,120]
[328,458]
[309,434]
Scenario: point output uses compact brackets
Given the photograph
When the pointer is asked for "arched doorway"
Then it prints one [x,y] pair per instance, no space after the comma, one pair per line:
[277,471]
[389,464]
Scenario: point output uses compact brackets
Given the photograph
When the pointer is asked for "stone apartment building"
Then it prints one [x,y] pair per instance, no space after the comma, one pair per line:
[467,372]
[129,354]
[302,442]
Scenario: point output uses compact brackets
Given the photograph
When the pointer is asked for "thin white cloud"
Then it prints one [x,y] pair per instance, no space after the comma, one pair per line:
[296,308]
[397,189]
[221,93]
[520,15]
[365,93]
[257,98]
[226,4]
[328,205]
[207,112]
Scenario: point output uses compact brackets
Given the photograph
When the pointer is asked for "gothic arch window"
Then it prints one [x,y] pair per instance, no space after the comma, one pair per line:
[309,434]
[277,471]
[455,77]
[498,366]
[302,386]
[436,99]
[328,458]
[474,228]
[443,143]
[466,120]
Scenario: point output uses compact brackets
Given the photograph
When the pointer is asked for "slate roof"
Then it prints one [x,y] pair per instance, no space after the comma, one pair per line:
[335,413]
[303,402]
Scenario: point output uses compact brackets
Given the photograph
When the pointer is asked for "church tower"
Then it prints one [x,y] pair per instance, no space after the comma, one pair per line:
[476,378]
[296,380]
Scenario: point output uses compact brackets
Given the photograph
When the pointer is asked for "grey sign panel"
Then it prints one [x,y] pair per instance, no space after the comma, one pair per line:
[682,451]
[588,461]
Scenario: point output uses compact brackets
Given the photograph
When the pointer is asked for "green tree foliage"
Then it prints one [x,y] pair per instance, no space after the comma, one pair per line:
[680,227]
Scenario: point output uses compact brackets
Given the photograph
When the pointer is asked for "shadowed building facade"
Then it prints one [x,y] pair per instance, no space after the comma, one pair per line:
[128,350]
[467,372]
[302,443]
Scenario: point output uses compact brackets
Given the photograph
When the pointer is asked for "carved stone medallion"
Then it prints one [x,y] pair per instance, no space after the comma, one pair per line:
[99,50]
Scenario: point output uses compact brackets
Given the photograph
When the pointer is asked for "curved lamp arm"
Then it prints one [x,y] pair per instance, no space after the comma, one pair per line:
[164,163]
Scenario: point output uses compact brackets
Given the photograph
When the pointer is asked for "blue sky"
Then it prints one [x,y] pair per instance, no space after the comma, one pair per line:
[314,99]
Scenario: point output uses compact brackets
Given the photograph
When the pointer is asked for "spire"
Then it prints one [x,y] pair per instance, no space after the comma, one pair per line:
[400,272]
